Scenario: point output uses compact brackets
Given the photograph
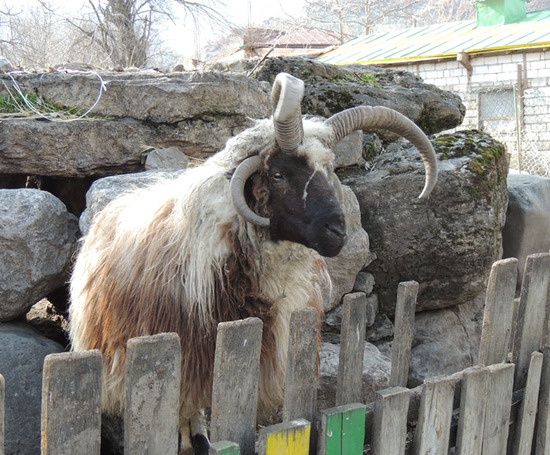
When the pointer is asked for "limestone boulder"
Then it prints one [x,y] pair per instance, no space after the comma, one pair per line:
[137,112]
[355,255]
[166,158]
[349,151]
[149,95]
[445,341]
[37,239]
[107,189]
[527,228]
[105,147]
[330,89]
[22,352]
[446,243]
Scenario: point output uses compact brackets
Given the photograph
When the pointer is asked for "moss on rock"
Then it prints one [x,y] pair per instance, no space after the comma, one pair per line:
[487,161]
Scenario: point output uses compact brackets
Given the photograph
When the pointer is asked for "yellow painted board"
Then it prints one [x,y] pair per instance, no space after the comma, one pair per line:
[288,438]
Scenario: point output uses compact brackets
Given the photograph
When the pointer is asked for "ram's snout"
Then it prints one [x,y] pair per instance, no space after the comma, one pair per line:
[330,236]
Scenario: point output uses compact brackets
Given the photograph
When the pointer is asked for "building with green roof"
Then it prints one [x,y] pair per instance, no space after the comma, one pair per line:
[498,63]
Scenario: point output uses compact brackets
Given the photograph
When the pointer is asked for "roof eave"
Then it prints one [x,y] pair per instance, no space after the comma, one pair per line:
[504,50]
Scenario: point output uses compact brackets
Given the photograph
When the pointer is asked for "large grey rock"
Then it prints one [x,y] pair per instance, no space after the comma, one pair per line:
[445,341]
[333,88]
[108,189]
[105,147]
[151,96]
[527,228]
[37,239]
[448,242]
[349,151]
[376,373]
[22,353]
[167,158]
[354,256]
[47,320]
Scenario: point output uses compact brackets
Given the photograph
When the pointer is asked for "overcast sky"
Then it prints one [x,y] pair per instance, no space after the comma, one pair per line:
[178,35]
[235,10]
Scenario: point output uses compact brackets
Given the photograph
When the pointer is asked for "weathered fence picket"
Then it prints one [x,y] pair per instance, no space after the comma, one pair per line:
[390,418]
[2,398]
[153,378]
[525,425]
[542,439]
[497,411]
[496,334]
[531,314]
[473,395]
[434,417]
[300,400]
[71,400]
[349,382]
[285,438]
[235,389]
[342,430]
[403,332]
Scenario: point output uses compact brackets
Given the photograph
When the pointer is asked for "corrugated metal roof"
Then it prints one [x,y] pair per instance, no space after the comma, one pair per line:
[298,37]
[443,41]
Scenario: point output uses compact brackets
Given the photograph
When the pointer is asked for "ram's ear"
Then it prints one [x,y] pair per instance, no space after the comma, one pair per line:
[261,194]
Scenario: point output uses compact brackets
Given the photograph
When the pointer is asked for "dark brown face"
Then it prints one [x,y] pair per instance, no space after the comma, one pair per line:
[303,206]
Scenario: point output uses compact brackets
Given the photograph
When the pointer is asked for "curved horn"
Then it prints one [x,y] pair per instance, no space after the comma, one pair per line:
[366,117]
[244,170]
[286,97]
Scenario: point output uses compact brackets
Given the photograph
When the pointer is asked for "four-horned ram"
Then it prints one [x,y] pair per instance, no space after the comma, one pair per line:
[241,235]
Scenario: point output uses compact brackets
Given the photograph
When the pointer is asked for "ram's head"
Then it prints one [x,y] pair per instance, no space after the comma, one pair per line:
[295,193]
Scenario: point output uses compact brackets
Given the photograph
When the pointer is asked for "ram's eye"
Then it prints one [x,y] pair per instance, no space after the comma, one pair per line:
[277,176]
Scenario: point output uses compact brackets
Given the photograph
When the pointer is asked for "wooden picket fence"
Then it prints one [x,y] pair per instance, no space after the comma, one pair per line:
[500,408]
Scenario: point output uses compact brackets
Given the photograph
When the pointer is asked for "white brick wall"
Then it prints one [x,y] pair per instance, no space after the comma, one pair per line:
[538,64]
[504,58]
[501,69]
[494,72]
[536,56]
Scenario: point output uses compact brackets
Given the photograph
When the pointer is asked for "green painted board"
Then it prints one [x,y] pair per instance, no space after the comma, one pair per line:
[224,448]
[331,432]
[343,430]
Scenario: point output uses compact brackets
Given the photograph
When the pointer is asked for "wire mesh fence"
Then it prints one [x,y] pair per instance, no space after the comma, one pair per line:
[521,120]
[534,156]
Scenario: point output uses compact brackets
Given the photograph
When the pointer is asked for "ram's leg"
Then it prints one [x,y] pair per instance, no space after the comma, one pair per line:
[185,439]
[193,435]
[199,435]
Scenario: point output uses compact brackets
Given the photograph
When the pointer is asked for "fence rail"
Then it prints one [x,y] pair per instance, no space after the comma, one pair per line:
[482,396]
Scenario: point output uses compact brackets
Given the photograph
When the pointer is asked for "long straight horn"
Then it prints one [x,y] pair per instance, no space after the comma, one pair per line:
[378,117]
[286,97]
